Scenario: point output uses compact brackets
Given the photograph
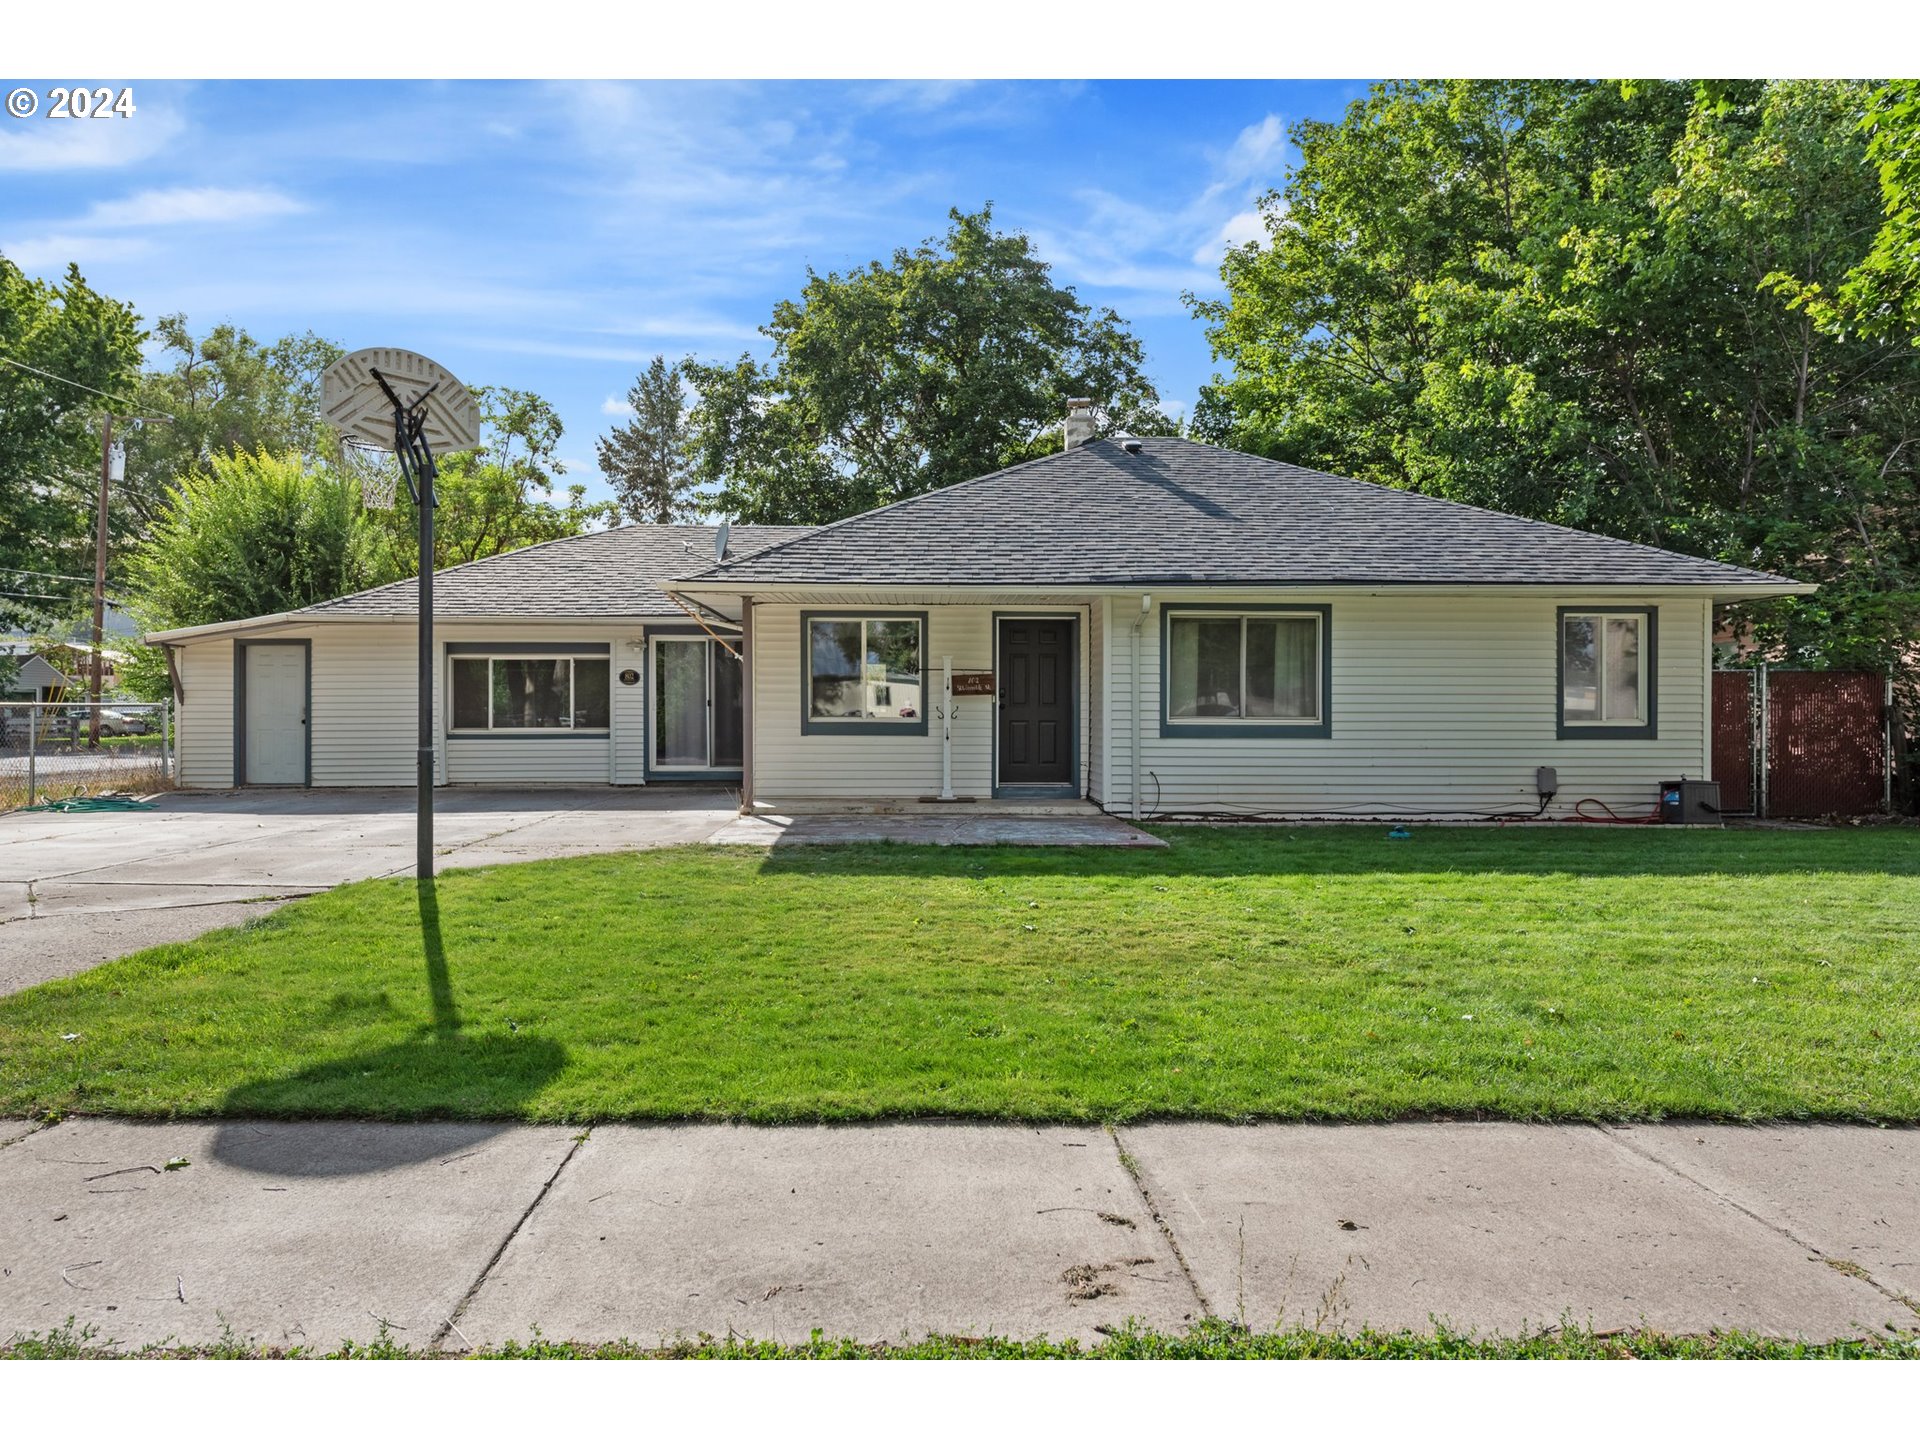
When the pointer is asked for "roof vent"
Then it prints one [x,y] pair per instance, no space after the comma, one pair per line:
[1130,445]
[1081,426]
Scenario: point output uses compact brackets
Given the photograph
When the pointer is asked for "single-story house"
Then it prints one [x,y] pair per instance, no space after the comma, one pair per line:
[28,676]
[1157,626]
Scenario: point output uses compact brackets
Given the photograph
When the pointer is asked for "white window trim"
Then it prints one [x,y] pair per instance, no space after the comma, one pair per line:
[572,658]
[1640,619]
[1175,614]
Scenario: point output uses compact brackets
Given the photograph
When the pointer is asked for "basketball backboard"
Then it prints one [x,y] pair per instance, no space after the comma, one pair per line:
[356,406]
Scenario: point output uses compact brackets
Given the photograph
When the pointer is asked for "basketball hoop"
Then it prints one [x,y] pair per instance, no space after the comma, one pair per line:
[379,478]
[402,403]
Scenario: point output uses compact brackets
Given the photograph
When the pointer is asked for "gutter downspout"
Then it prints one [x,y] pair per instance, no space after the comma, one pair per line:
[1146,604]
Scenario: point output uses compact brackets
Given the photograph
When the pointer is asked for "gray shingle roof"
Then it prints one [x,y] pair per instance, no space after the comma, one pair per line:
[1178,511]
[611,573]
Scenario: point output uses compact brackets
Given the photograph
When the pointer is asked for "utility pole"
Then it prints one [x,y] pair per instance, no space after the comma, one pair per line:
[100,582]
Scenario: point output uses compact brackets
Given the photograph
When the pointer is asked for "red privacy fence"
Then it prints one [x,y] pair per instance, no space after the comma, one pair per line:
[1801,743]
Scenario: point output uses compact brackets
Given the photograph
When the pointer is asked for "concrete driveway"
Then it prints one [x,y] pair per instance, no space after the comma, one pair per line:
[76,890]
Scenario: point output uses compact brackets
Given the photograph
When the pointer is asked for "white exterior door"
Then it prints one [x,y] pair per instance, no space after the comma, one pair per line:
[276,715]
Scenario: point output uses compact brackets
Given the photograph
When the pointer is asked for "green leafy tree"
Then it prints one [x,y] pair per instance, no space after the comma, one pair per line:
[645,459]
[1880,295]
[951,360]
[252,534]
[494,499]
[1565,299]
[225,391]
[49,430]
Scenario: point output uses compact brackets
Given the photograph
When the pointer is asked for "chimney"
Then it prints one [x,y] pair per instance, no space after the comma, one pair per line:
[1081,426]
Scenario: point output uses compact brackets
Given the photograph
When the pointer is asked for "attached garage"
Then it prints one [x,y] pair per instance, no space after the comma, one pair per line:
[561,664]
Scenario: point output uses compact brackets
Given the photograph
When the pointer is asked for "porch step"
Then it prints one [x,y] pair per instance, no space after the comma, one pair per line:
[926,807]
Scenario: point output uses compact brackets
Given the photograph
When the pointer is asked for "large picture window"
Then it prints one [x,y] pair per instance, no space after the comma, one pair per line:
[1607,673]
[1252,672]
[864,672]
[526,692]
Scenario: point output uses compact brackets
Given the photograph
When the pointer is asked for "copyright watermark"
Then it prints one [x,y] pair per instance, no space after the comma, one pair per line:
[72,102]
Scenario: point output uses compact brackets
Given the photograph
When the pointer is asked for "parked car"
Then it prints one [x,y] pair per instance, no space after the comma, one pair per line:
[112,722]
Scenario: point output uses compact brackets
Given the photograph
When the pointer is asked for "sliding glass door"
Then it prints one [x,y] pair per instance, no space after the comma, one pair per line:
[696,705]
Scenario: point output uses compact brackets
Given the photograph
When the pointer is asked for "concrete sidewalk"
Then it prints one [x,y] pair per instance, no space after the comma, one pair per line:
[460,1235]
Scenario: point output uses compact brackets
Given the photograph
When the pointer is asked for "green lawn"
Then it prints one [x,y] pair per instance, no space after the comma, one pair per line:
[1244,972]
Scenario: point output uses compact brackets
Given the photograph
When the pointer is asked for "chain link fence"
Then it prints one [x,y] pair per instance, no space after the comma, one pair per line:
[57,750]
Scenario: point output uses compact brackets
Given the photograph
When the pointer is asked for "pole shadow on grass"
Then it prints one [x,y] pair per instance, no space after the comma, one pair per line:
[443,1073]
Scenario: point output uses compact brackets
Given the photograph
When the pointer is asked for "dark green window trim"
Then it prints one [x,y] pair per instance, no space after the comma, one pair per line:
[1565,729]
[569,650]
[558,649]
[811,726]
[1322,729]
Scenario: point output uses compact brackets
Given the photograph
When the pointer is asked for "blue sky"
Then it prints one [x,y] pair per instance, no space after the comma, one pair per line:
[554,236]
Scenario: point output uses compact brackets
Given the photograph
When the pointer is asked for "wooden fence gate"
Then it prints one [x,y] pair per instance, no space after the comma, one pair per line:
[1801,742]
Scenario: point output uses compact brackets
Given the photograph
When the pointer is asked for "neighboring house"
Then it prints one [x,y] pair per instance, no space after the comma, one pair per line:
[30,676]
[1158,626]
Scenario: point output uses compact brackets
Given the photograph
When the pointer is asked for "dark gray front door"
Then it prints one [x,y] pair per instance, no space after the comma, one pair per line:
[1036,702]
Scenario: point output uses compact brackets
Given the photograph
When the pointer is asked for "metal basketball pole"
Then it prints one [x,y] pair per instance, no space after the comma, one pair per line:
[410,448]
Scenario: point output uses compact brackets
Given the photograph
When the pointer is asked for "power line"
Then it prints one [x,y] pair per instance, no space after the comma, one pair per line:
[44,574]
[49,375]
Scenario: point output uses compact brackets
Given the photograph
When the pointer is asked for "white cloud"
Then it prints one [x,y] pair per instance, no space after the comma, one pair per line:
[56,252]
[1247,227]
[1159,249]
[614,405]
[47,144]
[206,205]
[1257,150]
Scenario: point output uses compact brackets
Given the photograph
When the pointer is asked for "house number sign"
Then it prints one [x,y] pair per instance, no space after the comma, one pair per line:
[629,677]
[973,682]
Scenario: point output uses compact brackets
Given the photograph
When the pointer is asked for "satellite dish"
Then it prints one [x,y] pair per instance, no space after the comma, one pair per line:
[720,540]
[354,404]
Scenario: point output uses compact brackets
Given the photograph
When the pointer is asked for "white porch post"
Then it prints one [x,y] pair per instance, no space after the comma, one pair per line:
[746,705]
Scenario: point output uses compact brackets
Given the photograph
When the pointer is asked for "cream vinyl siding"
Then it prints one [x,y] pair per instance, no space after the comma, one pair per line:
[788,765]
[1438,703]
[205,725]
[363,718]
[629,754]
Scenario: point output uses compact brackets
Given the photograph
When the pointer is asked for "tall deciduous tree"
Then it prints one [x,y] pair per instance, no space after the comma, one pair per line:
[225,391]
[252,534]
[645,459]
[1572,301]
[497,498]
[49,429]
[954,358]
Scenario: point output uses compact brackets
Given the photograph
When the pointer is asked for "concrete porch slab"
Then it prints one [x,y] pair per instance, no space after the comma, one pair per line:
[878,1232]
[1086,827]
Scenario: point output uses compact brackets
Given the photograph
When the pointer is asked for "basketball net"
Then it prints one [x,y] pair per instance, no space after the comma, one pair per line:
[379,476]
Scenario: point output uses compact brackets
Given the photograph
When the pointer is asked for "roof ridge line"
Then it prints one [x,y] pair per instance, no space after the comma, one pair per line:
[709,572]
[522,550]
